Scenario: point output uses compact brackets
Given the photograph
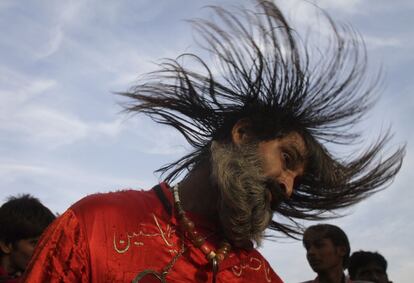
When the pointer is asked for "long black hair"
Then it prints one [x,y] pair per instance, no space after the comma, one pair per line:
[262,71]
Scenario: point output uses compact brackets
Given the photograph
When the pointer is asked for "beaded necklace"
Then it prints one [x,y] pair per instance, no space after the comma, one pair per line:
[188,229]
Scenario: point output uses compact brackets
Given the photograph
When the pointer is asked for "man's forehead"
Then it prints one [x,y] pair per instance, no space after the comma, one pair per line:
[314,235]
[296,140]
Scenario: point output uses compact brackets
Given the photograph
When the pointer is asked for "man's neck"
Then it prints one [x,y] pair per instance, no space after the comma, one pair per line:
[197,195]
[334,275]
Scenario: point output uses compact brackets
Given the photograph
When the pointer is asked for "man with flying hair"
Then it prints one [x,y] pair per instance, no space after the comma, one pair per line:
[22,221]
[260,128]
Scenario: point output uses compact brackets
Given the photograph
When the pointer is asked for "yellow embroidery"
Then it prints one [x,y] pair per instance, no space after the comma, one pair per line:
[173,252]
[256,263]
[161,231]
[237,270]
[122,245]
[253,264]
[267,274]
[119,250]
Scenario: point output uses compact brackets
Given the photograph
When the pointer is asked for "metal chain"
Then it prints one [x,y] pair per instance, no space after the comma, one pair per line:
[168,267]
[215,266]
[161,276]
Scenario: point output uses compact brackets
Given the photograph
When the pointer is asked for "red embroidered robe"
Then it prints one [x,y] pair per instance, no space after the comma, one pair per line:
[112,237]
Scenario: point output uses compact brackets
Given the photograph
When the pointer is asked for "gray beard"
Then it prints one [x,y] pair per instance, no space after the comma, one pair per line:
[244,204]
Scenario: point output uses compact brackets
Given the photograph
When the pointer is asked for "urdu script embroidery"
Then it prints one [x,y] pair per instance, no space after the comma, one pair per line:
[123,244]
[134,239]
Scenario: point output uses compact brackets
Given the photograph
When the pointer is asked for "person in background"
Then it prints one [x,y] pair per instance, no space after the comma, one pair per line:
[327,250]
[368,266]
[22,221]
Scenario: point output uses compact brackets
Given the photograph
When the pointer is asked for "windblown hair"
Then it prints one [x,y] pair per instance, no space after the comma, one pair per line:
[361,259]
[333,233]
[265,74]
[23,217]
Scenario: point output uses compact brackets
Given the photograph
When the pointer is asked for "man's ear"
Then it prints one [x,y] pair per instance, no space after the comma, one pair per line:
[241,132]
[5,248]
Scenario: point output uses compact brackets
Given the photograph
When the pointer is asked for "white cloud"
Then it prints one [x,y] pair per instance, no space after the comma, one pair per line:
[378,42]
[10,171]
[28,117]
[46,126]
[17,88]
[60,17]
[52,43]
[49,181]
[342,5]
[109,129]
[21,116]
[156,139]
[68,12]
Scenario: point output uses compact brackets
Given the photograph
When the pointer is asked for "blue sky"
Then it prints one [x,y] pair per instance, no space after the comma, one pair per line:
[63,136]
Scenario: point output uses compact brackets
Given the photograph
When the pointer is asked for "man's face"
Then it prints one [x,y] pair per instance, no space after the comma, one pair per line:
[21,253]
[321,253]
[283,161]
[372,272]
[252,179]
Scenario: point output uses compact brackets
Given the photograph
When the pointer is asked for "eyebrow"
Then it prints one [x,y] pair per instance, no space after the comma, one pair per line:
[298,156]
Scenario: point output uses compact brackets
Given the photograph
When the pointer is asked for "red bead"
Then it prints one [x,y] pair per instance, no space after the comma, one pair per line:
[205,249]
[198,241]
[181,213]
[189,226]
[225,246]
[222,251]
[193,234]
[182,218]
[220,257]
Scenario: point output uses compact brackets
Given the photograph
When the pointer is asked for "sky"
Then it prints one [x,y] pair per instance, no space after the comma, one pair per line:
[63,134]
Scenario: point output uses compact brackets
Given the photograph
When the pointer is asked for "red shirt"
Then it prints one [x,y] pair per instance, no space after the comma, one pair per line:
[113,237]
[6,278]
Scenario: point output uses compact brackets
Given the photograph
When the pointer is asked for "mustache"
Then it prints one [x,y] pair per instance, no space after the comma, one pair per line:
[278,193]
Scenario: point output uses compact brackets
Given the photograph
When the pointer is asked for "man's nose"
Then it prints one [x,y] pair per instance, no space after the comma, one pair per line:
[287,182]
